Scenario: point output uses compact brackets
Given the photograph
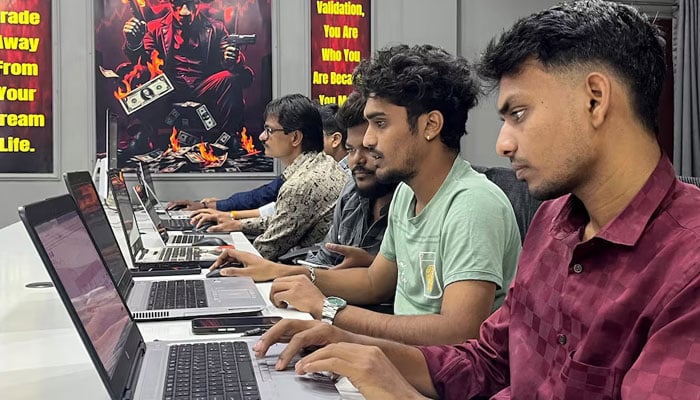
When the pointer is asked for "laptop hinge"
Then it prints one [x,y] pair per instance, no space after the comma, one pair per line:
[134,373]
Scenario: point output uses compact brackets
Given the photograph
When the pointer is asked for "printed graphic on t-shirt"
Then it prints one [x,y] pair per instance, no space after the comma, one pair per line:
[432,288]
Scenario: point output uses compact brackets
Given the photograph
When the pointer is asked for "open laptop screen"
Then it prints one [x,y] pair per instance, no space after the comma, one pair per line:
[83,191]
[126,213]
[91,291]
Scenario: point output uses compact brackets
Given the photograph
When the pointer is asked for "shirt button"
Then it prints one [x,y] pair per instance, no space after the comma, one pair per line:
[561,339]
[578,268]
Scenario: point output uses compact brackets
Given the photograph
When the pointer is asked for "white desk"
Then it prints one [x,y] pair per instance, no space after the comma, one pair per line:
[41,355]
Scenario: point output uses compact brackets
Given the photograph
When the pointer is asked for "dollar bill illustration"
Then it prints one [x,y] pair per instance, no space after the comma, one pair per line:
[172,117]
[219,146]
[218,163]
[149,157]
[206,117]
[146,94]
[195,158]
[185,139]
[223,139]
[173,167]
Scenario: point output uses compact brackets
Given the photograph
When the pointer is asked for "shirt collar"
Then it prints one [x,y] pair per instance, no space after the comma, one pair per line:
[299,163]
[626,228]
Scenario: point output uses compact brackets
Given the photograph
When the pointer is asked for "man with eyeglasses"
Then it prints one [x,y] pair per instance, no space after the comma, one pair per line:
[312,181]
[197,59]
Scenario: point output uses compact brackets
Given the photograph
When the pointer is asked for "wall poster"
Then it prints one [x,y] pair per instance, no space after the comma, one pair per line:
[26,88]
[340,38]
[185,83]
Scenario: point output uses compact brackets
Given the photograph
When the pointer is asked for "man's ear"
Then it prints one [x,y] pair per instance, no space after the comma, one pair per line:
[598,92]
[432,122]
[297,137]
[336,139]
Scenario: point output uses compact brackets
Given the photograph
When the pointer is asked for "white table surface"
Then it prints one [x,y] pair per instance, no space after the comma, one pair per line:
[41,354]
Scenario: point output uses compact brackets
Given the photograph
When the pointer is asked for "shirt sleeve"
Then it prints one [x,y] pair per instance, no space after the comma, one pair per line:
[668,366]
[475,367]
[251,199]
[267,210]
[477,234]
[293,216]
[387,249]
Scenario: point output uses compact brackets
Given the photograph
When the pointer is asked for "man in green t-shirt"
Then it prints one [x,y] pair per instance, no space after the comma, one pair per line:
[452,241]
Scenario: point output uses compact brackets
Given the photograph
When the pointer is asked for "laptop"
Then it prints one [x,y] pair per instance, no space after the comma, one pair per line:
[167,299]
[129,367]
[156,257]
[146,180]
[185,238]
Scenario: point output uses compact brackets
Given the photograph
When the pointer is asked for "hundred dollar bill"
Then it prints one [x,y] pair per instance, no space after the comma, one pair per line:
[206,117]
[146,94]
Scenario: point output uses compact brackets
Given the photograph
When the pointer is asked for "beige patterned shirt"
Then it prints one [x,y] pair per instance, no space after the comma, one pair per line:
[304,211]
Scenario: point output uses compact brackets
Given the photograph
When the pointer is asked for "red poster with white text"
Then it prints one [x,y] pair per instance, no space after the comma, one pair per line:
[26,90]
[340,38]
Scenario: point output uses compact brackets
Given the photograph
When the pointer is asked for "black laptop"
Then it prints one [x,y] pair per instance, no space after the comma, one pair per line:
[129,367]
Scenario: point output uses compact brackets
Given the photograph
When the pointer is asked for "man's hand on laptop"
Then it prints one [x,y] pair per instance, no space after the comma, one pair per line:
[254,266]
[302,336]
[209,202]
[367,368]
[183,205]
[299,292]
[222,220]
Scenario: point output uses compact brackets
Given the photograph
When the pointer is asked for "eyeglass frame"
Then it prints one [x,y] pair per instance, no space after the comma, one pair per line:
[269,131]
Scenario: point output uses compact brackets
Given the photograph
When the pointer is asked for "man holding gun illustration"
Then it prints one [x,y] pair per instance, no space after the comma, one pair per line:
[201,60]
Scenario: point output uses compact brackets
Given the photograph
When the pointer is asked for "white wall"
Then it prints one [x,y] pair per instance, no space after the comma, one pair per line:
[461,26]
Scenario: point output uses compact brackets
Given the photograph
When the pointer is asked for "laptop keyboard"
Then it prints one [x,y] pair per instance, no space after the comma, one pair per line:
[210,371]
[185,239]
[179,254]
[167,295]
[178,223]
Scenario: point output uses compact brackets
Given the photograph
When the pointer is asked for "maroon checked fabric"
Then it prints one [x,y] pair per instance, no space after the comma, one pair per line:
[616,317]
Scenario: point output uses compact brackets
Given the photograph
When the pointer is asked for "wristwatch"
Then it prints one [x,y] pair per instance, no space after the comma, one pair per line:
[331,306]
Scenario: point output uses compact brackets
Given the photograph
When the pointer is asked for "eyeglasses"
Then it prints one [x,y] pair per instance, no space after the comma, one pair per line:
[267,132]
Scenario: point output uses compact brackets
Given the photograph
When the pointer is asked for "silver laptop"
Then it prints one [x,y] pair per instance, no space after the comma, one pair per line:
[146,180]
[129,367]
[181,238]
[148,300]
[153,257]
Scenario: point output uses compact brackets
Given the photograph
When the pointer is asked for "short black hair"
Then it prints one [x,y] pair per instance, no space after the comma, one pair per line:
[330,124]
[586,32]
[422,78]
[352,112]
[298,112]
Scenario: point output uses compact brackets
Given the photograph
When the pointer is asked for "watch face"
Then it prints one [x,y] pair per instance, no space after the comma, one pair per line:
[336,301]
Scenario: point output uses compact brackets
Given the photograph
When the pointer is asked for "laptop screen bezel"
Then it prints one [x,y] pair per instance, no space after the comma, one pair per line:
[137,245]
[35,214]
[73,181]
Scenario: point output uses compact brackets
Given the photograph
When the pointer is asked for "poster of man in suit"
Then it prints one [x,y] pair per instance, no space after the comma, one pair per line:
[182,84]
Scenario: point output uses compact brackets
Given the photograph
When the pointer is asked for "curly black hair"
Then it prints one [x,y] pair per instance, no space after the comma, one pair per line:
[298,112]
[351,113]
[422,78]
[588,32]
